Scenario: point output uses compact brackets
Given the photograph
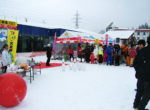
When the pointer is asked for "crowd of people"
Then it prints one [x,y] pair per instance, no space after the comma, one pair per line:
[111,54]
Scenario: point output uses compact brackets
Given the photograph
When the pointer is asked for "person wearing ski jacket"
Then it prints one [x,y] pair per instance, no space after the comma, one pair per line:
[70,52]
[110,54]
[104,54]
[100,53]
[117,54]
[92,58]
[132,54]
[79,50]
[95,53]
[142,67]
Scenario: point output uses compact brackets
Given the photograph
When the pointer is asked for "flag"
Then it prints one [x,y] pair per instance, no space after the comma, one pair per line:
[106,39]
[54,43]
[12,43]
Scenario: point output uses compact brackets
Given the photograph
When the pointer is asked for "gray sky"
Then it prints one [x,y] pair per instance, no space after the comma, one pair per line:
[95,14]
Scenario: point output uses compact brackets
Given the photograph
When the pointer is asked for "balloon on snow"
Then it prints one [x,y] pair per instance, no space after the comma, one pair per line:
[12,89]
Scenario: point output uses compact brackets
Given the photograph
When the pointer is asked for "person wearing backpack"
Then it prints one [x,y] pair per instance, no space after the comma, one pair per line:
[142,68]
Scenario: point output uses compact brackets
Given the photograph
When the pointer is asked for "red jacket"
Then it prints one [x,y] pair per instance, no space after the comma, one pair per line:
[132,52]
[79,50]
[70,51]
[92,57]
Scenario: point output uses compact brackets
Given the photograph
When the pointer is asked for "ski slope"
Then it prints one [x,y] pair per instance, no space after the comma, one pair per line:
[97,87]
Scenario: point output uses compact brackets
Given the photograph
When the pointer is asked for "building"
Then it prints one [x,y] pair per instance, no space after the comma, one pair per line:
[121,36]
[36,37]
[142,34]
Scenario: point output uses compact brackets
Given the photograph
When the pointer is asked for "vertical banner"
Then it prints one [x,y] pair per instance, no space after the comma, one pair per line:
[12,43]
[106,39]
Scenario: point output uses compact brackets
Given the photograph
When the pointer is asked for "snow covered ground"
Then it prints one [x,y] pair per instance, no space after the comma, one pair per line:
[98,87]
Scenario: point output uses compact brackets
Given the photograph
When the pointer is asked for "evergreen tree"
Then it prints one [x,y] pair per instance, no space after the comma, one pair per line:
[144,26]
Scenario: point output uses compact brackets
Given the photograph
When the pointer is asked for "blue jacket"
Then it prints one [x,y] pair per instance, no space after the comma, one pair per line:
[109,50]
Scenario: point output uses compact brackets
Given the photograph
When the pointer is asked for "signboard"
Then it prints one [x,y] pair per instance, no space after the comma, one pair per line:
[96,41]
[12,43]
[8,24]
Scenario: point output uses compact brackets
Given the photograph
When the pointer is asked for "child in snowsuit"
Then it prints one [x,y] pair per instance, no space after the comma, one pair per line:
[92,58]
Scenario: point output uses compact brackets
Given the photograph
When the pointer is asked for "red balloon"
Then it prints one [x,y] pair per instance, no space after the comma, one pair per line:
[13,89]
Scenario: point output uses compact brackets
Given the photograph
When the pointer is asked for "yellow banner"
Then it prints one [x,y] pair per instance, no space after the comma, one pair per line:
[12,43]
[6,22]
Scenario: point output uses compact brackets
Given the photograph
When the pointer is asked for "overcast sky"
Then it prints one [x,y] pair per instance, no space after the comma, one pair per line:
[95,14]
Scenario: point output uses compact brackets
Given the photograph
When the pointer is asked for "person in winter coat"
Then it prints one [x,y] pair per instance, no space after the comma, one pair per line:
[110,54]
[48,53]
[92,58]
[91,48]
[132,54]
[87,54]
[95,53]
[117,55]
[79,49]
[6,59]
[70,52]
[122,57]
[100,53]
[105,54]
[142,67]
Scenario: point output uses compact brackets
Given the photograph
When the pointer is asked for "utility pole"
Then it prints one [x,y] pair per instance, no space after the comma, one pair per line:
[77,20]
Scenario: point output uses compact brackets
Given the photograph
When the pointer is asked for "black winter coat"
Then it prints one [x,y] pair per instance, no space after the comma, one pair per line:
[142,64]
[48,51]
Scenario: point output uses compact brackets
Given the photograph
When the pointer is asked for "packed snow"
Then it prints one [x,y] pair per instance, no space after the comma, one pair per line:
[94,87]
